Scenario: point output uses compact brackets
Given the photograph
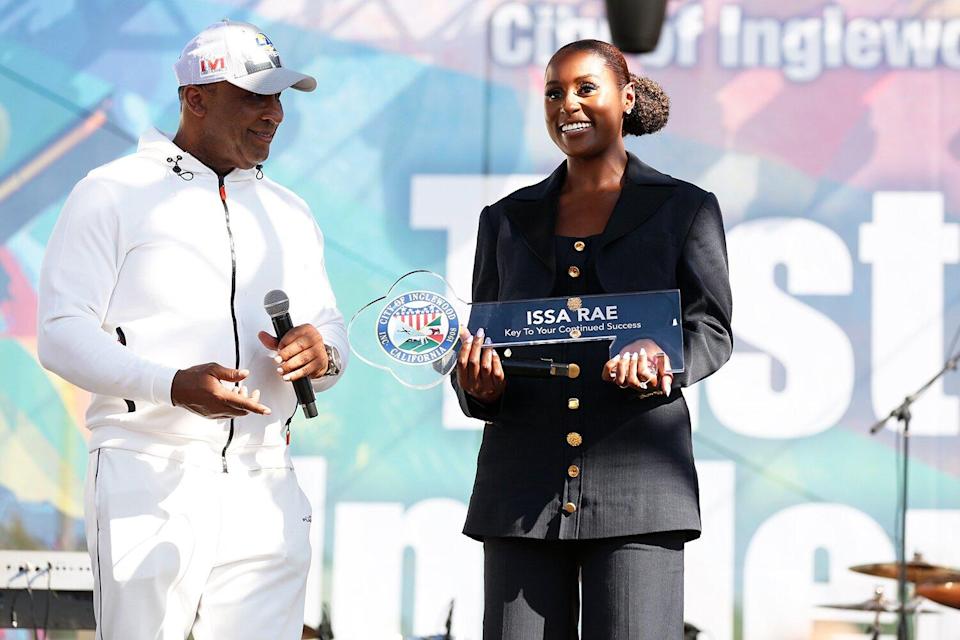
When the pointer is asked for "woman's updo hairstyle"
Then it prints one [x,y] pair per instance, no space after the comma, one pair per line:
[652,106]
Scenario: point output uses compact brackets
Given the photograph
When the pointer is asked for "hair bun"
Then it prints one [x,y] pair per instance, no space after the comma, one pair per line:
[651,110]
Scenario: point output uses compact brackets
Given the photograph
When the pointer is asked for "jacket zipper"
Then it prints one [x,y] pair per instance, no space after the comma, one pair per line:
[233,309]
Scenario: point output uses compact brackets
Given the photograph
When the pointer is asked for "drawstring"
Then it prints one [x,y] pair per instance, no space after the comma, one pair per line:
[186,175]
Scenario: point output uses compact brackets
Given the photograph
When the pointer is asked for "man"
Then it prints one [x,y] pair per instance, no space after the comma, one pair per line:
[151,298]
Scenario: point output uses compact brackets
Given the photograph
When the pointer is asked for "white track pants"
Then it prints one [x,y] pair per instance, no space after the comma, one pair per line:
[177,548]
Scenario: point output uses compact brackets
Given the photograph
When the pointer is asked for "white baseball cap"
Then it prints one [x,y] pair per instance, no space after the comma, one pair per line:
[241,54]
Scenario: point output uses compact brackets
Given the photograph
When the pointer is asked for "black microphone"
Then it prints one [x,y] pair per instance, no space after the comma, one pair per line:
[539,368]
[278,308]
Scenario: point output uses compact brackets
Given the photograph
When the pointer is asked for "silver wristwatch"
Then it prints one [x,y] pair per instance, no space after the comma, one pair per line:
[333,361]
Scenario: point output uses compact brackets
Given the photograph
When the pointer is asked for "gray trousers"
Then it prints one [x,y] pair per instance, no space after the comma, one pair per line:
[632,588]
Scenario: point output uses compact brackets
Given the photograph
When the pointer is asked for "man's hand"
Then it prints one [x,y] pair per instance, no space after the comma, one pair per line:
[199,390]
[300,354]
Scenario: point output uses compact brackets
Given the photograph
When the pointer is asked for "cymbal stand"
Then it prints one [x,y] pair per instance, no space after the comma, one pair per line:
[903,415]
[875,630]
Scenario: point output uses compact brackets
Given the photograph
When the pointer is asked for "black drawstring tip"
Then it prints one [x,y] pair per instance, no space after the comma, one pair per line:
[186,175]
[259,172]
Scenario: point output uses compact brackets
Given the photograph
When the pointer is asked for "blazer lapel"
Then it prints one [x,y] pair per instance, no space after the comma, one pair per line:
[644,191]
[533,212]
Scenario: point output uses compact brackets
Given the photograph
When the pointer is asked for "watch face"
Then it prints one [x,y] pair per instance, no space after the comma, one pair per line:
[333,361]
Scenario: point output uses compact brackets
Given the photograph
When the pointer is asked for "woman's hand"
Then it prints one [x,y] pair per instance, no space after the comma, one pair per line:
[641,366]
[479,372]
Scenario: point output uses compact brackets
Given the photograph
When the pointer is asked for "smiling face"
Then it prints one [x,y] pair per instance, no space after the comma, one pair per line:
[583,104]
[237,126]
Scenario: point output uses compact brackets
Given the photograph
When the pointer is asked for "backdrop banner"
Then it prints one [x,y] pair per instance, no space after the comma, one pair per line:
[830,134]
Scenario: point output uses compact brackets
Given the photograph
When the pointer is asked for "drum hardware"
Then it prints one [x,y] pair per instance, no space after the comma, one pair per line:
[877,605]
[947,594]
[902,414]
[918,571]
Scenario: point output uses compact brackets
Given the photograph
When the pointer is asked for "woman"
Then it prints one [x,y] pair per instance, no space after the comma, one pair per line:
[592,479]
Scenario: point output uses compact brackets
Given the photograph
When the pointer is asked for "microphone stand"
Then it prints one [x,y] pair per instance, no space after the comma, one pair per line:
[902,414]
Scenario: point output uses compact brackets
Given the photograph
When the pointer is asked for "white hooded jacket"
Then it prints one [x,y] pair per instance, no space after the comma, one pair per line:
[149,270]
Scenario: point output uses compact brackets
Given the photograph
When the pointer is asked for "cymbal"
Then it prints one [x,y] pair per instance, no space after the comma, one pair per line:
[879,605]
[947,593]
[918,570]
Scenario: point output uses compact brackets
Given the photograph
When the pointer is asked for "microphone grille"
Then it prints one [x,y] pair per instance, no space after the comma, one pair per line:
[276,303]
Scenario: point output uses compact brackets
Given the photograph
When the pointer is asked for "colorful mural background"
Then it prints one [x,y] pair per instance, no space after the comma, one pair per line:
[830,133]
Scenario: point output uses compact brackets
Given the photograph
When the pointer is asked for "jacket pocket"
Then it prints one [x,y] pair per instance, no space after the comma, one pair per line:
[122,339]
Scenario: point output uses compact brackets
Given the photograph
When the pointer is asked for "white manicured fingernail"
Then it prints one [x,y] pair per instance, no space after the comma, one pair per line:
[286,378]
[480,333]
[634,355]
[616,357]
[487,341]
[643,351]
[613,374]
[469,340]
[277,359]
[280,370]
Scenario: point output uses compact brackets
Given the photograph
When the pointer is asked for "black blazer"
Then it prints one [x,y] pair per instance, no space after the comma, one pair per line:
[633,458]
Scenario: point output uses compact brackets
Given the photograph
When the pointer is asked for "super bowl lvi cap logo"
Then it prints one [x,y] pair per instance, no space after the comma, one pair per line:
[418,327]
[265,56]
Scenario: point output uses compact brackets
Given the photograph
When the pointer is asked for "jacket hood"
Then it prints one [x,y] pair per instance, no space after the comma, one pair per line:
[156,145]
